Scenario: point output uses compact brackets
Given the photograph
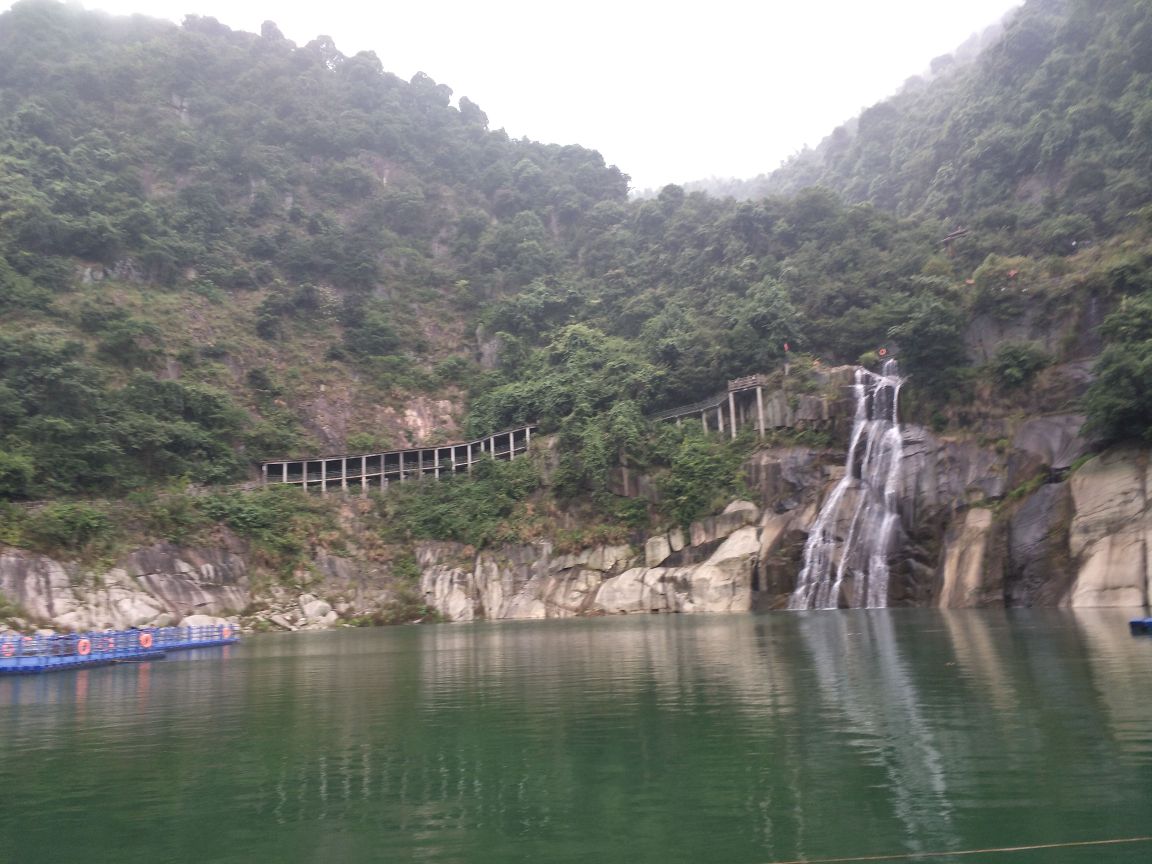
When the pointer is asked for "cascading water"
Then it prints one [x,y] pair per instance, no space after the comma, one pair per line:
[853,534]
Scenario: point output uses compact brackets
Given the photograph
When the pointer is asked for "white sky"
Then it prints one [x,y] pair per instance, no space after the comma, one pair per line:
[669,92]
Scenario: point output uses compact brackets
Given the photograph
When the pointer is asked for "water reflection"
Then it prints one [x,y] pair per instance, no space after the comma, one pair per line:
[862,677]
[812,735]
[1121,677]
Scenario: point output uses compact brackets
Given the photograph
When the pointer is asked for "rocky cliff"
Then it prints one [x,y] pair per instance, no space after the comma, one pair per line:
[1027,520]
[711,569]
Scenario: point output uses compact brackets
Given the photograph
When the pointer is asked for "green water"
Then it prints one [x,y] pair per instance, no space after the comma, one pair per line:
[719,739]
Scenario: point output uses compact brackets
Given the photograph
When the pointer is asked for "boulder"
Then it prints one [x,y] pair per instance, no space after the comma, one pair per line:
[718,527]
[314,609]
[656,551]
[203,621]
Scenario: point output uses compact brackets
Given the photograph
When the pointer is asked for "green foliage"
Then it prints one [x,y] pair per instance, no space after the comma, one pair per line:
[1119,402]
[16,473]
[474,510]
[1002,287]
[703,475]
[315,218]
[72,529]
[171,516]
[1016,364]
[281,521]
[931,343]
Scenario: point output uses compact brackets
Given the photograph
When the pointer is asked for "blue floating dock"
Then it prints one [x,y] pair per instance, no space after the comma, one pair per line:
[28,654]
[1141,626]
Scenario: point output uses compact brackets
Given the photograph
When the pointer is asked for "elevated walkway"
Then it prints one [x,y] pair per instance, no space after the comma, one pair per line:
[362,472]
[752,400]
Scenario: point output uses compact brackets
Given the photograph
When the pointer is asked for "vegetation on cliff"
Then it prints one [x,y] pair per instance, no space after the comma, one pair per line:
[209,239]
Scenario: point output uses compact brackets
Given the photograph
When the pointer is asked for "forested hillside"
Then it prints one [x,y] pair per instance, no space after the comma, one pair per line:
[219,247]
[200,227]
[1045,139]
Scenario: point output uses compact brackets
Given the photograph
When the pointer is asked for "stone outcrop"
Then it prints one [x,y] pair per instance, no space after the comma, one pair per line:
[1073,538]
[968,575]
[156,586]
[716,568]
[1039,569]
[1110,531]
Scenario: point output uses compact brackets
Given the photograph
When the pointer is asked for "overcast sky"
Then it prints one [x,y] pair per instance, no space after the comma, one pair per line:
[669,92]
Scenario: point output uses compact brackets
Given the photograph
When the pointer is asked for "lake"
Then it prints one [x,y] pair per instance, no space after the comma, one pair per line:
[742,739]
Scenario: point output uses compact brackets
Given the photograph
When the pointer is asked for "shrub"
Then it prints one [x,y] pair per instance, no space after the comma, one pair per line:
[703,475]
[473,510]
[71,528]
[1016,364]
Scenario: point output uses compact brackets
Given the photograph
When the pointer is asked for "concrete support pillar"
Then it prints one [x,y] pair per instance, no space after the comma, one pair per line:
[679,422]
[469,457]
[760,410]
[511,446]
[323,476]
[704,418]
[492,447]
[419,464]
[732,411]
[304,473]
[527,438]
[720,418]
[285,466]
[401,466]
[264,475]
[436,463]
[364,468]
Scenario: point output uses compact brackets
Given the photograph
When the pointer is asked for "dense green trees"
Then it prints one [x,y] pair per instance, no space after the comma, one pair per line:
[322,212]
[1049,123]
[64,429]
[1119,402]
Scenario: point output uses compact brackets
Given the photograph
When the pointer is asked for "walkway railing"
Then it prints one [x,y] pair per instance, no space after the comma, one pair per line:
[363,471]
[695,408]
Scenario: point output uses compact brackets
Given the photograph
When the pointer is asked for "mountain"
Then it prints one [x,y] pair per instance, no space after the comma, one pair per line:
[202,227]
[1045,136]
[220,246]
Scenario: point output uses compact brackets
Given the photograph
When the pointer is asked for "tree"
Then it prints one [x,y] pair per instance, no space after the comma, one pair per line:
[931,342]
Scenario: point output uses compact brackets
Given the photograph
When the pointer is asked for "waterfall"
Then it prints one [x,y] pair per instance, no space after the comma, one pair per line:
[852,536]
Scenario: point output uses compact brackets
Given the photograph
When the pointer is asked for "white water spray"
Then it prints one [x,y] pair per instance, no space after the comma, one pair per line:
[852,536]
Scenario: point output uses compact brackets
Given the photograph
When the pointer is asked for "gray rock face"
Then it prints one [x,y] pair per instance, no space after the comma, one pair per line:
[516,581]
[784,474]
[209,581]
[40,586]
[1084,541]
[1110,531]
[155,586]
[532,582]
[1055,440]
[940,475]
[968,577]
[1039,569]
